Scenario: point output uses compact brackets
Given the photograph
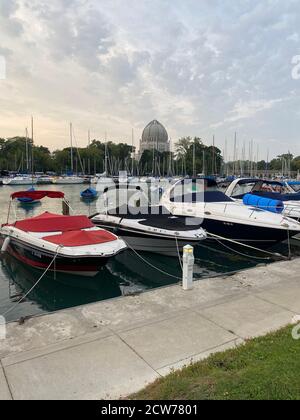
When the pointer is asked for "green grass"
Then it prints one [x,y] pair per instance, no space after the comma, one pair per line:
[266,368]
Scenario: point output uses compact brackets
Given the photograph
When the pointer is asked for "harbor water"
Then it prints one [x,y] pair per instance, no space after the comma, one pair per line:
[124,275]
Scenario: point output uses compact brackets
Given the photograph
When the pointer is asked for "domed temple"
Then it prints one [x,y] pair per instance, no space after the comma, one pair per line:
[155,136]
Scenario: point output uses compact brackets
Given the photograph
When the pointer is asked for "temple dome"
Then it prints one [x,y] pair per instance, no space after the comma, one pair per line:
[155,132]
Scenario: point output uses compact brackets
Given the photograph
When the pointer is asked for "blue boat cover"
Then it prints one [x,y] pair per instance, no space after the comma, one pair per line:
[27,200]
[89,193]
[274,206]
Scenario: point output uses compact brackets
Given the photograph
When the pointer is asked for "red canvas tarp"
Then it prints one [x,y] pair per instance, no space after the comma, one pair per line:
[81,238]
[48,222]
[37,195]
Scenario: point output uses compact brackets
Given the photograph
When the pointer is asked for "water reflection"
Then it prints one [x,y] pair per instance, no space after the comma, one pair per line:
[125,275]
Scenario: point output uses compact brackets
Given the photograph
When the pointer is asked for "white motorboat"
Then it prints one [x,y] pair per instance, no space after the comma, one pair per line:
[222,216]
[69,180]
[150,229]
[274,190]
[20,180]
[45,180]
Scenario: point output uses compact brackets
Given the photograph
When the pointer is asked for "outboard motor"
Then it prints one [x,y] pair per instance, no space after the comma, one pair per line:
[274,206]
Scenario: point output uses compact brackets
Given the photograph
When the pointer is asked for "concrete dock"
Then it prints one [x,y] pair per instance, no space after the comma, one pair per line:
[112,348]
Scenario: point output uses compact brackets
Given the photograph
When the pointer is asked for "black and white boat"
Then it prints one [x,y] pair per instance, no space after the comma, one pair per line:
[223,216]
[151,229]
[74,242]
[274,190]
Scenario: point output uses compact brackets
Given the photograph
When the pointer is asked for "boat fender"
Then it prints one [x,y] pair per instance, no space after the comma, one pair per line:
[274,206]
[116,231]
[5,244]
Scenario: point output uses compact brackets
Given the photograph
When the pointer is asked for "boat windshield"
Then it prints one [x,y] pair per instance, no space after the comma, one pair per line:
[296,187]
[198,191]
[258,186]
[271,187]
[242,189]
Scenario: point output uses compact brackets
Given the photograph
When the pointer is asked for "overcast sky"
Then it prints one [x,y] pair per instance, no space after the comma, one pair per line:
[201,67]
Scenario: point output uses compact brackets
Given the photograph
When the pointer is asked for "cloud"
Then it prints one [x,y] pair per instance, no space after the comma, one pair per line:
[9,24]
[201,68]
[246,110]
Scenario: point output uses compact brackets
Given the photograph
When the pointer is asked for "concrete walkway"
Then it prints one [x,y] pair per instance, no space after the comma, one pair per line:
[116,347]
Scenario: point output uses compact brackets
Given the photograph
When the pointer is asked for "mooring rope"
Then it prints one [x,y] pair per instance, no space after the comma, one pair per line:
[178,253]
[151,265]
[263,251]
[289,245]
[36,283]
[250,257]
[210,276]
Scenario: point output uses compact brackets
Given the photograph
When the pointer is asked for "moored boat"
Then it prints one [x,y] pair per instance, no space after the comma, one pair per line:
[89,194]
[20,180]
[226,218]
[70,244]
[69,180]
[45,180]
[25,200]
[151,229]
[274,190]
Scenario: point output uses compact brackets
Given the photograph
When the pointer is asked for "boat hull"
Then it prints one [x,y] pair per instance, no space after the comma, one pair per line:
[143,242]
[260,237]
[41,259]
[69,181]
[167,247]
[20,182]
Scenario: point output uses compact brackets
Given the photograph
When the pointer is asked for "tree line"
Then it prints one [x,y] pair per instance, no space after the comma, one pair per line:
[282,164]
[191,157]
[19,154]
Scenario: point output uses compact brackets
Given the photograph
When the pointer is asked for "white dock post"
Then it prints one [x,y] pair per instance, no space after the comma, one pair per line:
[2,328]
[188,267]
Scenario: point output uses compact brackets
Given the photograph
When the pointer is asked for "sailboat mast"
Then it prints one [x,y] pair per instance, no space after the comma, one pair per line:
[32,163]
[132,141]
[214,170]
[234,154]
[89,161]
[71,140]
[27,151]
[106,156]
[194,159]
[225,158]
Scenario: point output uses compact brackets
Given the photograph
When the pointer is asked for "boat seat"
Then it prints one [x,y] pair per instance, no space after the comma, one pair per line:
[81,238]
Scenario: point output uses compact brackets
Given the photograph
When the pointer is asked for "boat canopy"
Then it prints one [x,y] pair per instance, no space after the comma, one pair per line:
[49,222]
[202,197]
[37,195]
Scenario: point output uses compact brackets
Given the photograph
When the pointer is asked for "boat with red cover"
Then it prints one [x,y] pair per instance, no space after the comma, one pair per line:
[73,243]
